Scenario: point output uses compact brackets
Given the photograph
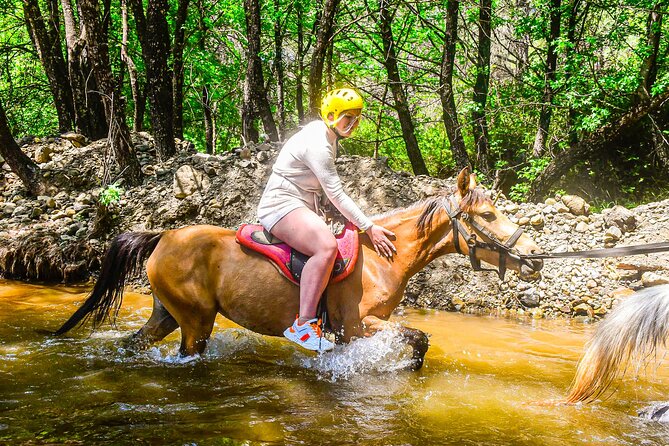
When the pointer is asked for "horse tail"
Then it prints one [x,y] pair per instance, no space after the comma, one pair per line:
[125,257]
[632,331]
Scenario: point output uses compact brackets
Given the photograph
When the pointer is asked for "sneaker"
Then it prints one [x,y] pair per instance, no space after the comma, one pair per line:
[308,336]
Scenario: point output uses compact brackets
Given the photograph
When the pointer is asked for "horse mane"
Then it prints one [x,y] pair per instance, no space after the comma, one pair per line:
[472,199]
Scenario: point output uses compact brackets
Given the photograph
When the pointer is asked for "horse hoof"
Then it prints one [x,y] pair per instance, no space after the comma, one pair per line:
[419,342]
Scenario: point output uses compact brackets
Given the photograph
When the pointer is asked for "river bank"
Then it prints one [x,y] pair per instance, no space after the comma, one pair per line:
[55,237]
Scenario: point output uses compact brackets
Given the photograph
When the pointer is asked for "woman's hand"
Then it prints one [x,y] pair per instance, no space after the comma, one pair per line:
[382,244]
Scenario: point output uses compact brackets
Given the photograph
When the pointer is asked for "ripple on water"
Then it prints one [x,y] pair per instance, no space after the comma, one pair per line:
[155,408]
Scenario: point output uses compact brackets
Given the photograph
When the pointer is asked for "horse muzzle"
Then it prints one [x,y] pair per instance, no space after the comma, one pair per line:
[527,268]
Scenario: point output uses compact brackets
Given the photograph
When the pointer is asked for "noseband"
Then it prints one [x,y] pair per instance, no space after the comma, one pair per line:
[503,249]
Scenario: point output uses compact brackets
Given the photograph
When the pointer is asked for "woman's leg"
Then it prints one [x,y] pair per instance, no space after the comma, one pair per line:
[307,232]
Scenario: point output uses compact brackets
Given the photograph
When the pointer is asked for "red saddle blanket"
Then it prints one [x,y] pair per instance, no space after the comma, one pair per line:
[290,261]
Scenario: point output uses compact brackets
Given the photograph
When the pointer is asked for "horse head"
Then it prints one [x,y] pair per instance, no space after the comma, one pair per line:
[484,233]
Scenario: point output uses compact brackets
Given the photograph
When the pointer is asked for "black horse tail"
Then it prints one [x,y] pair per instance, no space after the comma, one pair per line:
[125,257]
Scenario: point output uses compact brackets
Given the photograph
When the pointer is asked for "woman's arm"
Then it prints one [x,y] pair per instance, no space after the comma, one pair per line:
[321,162]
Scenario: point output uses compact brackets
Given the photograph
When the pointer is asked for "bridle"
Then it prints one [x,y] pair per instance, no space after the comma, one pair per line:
[503,249]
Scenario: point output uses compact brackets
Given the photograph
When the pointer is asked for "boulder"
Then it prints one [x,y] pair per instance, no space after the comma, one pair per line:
[621,217]
[576,204]
[650,278]
[188,180]
[43,154]
[76,139]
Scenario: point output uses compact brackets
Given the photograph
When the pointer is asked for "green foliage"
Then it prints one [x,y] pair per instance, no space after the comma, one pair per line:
[110,195]
[597,76]
[526,175]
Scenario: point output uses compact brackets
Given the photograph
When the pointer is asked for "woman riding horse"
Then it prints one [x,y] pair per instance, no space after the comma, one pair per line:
[305,171]
[197,272]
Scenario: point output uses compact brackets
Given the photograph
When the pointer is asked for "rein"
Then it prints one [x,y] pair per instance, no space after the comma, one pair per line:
[503,249]
[619,251]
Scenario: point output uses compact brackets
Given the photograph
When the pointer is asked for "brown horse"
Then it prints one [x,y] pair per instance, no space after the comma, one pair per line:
[197,272]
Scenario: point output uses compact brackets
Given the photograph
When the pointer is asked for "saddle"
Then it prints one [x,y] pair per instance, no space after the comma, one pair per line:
[290,261]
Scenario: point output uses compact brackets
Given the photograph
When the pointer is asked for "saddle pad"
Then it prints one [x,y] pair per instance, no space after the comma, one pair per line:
[290,261]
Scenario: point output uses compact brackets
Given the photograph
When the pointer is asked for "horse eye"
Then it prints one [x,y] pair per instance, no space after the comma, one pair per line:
[488,216]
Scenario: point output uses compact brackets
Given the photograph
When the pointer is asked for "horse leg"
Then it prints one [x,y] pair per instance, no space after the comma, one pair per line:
[160,324]
[195,332]
[415,338]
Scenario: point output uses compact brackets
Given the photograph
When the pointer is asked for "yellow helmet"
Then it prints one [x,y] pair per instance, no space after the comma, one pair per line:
[338,101]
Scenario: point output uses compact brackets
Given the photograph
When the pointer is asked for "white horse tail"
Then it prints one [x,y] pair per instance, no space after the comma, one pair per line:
[631,331]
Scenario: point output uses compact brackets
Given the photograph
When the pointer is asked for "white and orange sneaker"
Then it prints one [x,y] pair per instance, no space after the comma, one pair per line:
[308,336]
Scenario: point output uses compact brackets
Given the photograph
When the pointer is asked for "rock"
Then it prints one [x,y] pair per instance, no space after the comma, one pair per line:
[583,309]
[657,412]
[651,279]
[529,299]
[187,181]
[561,208]
[43,154]
[76,139]
[582,227]
[245,153]
[550,201]
[511,208]
[621,217]
[537,220]
[8,208]
[613,234]
[576,204]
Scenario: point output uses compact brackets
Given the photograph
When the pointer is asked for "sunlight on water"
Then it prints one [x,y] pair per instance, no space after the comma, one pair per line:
[484,382]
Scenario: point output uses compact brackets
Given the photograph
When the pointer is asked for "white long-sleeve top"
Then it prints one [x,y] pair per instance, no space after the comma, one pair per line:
[302,173]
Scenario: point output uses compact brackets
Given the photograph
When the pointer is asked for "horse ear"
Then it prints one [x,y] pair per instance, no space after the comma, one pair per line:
[472,181]
[464,181]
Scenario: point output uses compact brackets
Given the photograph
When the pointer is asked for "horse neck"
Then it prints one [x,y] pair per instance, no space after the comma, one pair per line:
[415,248]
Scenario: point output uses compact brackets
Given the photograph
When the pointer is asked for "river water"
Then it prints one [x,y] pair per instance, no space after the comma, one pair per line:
[483,383]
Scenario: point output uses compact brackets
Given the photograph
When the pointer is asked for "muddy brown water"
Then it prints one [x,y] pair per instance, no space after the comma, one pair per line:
[481,384]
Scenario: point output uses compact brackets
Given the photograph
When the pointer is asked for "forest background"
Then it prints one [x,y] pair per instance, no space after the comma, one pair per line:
[538,96]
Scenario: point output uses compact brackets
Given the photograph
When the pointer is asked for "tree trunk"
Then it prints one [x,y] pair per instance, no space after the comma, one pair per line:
[551,66]
[154,38]
[572,24]
[397,88]
[89,115]
[323,40]
[450,115]
[279,73]
[522,44]
[209,121]
[132,71]
[178,67]
[479,119]
[28,172]
[648,74]
[592,144]
[299,76]
[648,70]
[255,104]
[98,52]
[50,54]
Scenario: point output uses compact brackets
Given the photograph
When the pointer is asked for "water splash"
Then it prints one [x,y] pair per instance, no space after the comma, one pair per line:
[384,352]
